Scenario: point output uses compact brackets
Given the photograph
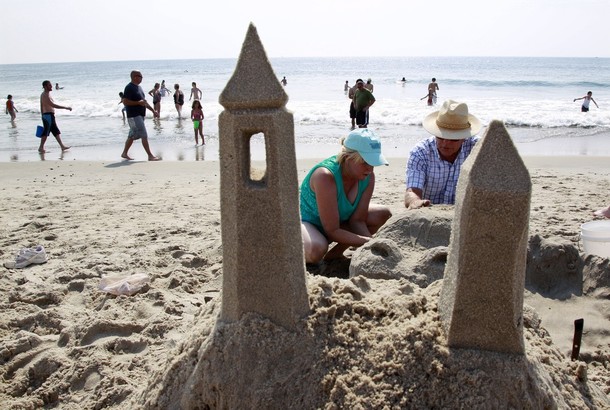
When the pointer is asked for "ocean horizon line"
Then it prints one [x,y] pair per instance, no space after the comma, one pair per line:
[306,57]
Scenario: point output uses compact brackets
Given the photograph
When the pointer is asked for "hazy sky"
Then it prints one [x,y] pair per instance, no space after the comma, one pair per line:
[94,30]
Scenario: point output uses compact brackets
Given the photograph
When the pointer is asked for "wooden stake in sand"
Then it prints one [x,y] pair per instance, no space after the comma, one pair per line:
[578,328]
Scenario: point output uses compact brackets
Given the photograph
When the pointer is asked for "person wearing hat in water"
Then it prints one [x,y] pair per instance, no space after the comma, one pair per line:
[335,198]
[434,164]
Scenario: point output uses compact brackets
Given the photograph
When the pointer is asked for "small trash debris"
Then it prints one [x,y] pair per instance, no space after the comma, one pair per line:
[124,285]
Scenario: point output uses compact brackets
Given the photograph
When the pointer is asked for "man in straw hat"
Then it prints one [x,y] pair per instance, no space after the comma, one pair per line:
[434,164]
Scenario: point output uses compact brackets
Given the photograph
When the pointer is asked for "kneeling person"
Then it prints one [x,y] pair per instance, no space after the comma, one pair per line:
[335,199]
[434,165]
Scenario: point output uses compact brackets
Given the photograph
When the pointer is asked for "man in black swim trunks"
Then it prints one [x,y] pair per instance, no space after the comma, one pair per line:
[47,109]
[363,99]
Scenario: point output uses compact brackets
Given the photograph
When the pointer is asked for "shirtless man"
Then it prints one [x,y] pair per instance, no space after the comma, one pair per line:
[196,92]
[47,109]
[432,87]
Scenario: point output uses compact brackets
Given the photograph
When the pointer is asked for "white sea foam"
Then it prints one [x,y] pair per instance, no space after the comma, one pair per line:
[534,97]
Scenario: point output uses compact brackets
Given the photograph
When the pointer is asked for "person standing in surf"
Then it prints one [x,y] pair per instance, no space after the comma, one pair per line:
[178,99]
[586,100]
[197,117]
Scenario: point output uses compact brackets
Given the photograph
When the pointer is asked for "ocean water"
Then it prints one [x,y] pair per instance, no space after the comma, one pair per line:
[533,96]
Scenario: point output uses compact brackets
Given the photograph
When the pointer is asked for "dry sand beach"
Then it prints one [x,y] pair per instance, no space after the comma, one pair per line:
[66,344]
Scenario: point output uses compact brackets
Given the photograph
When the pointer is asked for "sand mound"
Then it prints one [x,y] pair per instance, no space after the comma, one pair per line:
[376,340]
[367,344]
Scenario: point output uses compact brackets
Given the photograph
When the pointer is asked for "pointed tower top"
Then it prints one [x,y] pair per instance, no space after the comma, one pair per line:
[495,161]
[253,83]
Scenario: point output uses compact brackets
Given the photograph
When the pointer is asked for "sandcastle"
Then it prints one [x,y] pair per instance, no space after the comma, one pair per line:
[263,263]
[275,341]
[482,299]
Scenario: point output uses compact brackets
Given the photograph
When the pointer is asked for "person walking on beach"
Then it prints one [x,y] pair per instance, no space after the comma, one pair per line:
[586,101]
[197,117]
[178,99]
[284,81]
[195,92]
[136,105]
[47,109]
[363,99]
[10,107]
[156,96]
[369,85]
[335,199]
[346,87]
[434,165]
[164,90]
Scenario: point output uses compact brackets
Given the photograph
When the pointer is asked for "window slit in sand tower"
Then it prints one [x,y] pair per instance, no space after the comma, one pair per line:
[257,148]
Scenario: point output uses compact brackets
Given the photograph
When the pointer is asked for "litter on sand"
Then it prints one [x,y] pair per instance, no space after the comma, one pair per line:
[124,285]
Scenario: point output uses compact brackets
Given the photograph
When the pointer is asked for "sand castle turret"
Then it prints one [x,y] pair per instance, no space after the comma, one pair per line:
[481,301]
[263,264]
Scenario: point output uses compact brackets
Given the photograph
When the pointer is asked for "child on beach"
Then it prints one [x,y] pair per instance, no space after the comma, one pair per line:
[586,101]
[164,90]
[195,92]
[197,117]
[10,107]
[121,102]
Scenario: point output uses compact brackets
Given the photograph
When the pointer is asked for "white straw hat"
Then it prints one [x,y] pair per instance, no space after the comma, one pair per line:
[452,122]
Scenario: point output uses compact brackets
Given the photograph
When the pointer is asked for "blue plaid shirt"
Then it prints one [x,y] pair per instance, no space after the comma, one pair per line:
[436,177]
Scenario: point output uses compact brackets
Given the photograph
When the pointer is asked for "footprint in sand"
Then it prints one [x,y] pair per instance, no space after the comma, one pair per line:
[188,260]
[102,332]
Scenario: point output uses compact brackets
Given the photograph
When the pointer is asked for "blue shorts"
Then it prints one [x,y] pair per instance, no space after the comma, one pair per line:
[50,126]
[584,109]
[137,129]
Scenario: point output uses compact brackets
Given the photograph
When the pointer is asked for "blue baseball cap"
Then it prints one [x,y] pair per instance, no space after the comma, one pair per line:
[368,146]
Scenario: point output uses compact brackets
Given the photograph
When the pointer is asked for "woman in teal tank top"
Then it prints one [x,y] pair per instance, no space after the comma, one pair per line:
[335,199]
